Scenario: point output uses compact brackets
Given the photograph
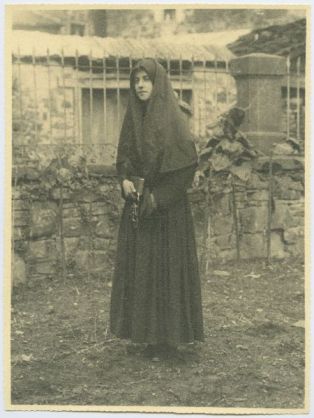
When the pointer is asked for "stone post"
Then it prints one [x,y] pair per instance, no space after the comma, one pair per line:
[259,78]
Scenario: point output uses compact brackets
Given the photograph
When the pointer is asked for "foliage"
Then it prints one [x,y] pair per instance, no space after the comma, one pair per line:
[228,152]
[47,172]
[25,122]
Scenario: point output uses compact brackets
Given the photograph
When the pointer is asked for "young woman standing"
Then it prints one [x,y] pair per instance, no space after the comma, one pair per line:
[156,293]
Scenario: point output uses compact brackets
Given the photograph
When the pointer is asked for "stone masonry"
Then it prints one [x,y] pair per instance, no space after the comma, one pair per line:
[252,203]
[90,224]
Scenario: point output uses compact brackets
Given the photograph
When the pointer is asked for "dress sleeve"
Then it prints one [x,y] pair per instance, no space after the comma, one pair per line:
[173,187]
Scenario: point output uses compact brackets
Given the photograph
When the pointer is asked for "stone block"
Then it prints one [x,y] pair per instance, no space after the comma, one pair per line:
[227,255]
[102,244]
[298,176]
[103,191]
[100,260]
[294,235]
[86,196]
[287,189]
[20,233]
[255,246]
[71,245]
[281,216]
[252,246]
[289,194]
[73,205]
[84,242]
[43,219]
[298,221]
[258,64]
[296,209]
[18,270]
[95,261]
[253,219]
[296,249]
[42,249]
[277,246]
[261,195]
[225,241]
[67,194]
[222,204]
[103,229]
[72,227]
[71,212]
[20,204]
[44,267]
[20,247]
[240,197]
[100,208]
[109,172]
[21,218]
[241,205]
[17,194]
[221,225]
[28,173]
[81,260]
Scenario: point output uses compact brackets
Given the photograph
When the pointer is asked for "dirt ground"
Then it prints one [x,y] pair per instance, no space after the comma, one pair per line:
[253,355]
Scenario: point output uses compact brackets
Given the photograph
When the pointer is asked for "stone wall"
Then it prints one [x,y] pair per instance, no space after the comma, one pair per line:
[252,210]
[87,220]
[78,234]
[90,223]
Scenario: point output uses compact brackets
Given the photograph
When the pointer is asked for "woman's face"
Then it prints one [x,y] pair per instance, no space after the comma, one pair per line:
[143,85]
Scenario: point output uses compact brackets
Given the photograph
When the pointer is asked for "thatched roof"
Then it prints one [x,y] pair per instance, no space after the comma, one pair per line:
[27,43]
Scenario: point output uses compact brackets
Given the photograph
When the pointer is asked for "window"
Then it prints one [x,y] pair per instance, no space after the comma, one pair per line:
[95,129]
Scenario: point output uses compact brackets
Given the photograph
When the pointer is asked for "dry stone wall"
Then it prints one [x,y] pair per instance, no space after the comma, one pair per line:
[87,223]
[90,221]
[252,209]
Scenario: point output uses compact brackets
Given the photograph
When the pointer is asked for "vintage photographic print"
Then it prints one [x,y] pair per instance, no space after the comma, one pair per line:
[156,240]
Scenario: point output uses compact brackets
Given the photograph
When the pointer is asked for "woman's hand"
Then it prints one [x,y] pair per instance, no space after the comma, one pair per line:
[128,188]
[148,204]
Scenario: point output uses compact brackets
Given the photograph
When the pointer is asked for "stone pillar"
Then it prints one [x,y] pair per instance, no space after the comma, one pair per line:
[259,78]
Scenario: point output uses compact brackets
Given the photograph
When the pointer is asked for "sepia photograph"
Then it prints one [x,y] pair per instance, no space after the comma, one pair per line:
[157,245]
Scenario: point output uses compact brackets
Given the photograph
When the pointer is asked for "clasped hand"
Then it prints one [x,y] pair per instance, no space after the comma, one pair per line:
[128,189]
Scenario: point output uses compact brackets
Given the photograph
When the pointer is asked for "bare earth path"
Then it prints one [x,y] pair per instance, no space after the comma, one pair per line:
[253,356]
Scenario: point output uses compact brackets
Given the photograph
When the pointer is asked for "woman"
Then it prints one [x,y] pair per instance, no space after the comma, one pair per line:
[156,296]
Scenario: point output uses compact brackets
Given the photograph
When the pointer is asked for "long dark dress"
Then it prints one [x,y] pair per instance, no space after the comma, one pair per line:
[156,294]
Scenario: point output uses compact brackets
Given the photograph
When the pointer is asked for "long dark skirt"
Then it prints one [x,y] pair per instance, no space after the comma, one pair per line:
[156,294]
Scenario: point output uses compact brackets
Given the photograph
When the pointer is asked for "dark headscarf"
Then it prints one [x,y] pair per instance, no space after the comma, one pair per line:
[155,137]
